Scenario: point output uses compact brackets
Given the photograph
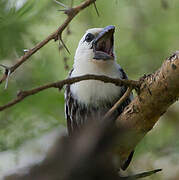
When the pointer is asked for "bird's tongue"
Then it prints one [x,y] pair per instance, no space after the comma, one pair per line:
[108,46]
[104,46]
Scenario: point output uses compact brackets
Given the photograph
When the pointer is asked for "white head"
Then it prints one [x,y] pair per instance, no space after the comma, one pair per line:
[95,55]
[97,44]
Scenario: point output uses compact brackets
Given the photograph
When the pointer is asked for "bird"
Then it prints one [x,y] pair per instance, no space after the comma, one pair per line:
[91,99]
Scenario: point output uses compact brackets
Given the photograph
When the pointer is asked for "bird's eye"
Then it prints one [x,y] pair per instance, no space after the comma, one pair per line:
[89,37]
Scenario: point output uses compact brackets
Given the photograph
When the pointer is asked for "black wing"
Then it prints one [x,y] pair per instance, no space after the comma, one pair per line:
[70,108]
[123,105]
[75,114]
[123,90]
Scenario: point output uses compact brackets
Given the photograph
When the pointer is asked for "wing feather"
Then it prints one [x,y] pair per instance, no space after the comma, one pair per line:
[120,109]
[123,90]
[75,114]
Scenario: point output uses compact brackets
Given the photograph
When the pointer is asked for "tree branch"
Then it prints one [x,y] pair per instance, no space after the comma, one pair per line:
[157,92]
[23,94]
[71,13]
[120,101]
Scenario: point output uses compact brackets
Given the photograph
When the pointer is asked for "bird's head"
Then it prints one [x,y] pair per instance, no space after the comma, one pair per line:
[97,44]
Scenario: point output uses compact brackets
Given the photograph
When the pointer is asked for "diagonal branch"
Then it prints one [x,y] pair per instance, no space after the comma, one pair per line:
[117,104]
[23,94]
[71,13]
[157,92]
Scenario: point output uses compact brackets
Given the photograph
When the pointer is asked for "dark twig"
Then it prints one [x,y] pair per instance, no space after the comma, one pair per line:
[97,12]
[117,104]
[23,94]
[71,13]
[64,45]
[61,47]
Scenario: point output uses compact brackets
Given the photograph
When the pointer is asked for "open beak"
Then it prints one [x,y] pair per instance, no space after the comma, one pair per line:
[103,44]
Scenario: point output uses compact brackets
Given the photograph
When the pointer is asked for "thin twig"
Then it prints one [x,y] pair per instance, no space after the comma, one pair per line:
[71,13]
[117,104]
[96,9]
[64,45]
[23,94]
[61,4]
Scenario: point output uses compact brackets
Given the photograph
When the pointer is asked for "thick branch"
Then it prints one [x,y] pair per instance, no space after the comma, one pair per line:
[157,92]
[71,13]
[23,94]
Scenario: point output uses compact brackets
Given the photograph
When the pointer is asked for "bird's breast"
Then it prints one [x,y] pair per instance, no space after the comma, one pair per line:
[94,92]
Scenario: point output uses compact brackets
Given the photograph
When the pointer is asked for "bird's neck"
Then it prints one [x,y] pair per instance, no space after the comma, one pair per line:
[91,91]
[93,66]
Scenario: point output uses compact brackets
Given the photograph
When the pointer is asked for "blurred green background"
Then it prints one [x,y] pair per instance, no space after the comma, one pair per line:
[146,33]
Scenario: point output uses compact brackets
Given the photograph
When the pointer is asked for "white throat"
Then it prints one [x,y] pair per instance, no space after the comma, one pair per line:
[93,92]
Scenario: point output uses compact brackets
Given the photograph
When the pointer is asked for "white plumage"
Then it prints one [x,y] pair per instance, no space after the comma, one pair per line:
[92,91]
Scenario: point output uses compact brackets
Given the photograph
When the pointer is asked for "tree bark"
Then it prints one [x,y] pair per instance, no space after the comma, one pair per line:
[157,92]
